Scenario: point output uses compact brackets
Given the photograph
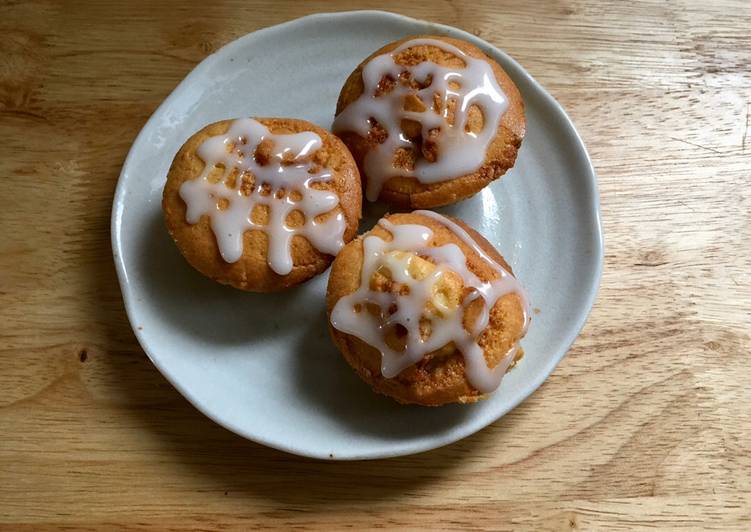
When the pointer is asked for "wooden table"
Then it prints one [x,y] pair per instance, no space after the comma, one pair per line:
[646,423]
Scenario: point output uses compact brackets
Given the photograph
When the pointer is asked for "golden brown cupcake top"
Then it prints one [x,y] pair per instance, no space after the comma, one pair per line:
[428,109]
[418,295]
[253,201]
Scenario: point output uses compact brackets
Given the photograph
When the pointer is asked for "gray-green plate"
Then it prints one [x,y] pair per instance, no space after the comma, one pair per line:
[263,365]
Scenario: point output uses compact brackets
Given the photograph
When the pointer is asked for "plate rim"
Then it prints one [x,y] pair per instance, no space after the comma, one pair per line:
[598,250]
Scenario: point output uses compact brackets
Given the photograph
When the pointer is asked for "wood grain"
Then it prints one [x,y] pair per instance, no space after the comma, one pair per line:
[645,424]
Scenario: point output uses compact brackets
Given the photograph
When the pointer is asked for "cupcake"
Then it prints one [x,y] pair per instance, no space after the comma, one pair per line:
[430,120]
[262,204]
[425,310]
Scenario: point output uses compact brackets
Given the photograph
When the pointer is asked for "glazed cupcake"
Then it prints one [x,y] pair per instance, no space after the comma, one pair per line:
[425,310]
[262,204]
[430,120]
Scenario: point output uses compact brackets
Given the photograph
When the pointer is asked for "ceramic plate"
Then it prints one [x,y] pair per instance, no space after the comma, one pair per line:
[263,365]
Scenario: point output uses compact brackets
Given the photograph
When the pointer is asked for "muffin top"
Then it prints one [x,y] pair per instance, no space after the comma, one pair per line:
[257,199]
[418,290]
[428,110]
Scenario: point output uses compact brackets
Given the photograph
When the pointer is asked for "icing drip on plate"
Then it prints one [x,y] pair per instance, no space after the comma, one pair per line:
[418,302]
[422,94]
[234,183]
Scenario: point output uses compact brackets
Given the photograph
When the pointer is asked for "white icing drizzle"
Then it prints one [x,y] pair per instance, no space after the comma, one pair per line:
[408,309]
[459,152]
[282,184]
